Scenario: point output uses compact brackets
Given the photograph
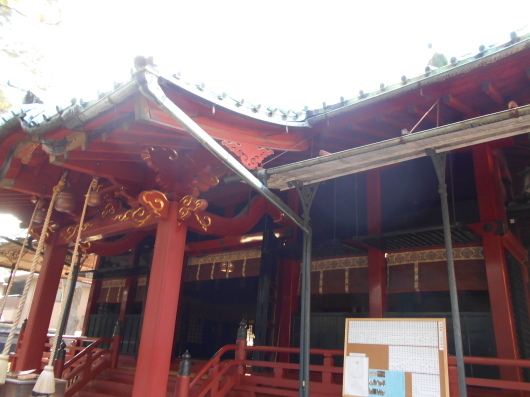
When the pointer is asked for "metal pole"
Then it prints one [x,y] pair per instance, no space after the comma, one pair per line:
[439,161]
[305,316]
[307,194]
[68,304]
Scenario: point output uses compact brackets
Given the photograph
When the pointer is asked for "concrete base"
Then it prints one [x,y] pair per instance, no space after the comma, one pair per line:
[23,388]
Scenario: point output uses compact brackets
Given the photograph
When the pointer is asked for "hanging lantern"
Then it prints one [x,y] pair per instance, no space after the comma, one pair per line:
[65,201]
[94,198]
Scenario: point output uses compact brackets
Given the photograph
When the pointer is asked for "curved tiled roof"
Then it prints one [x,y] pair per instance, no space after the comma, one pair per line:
[37,118]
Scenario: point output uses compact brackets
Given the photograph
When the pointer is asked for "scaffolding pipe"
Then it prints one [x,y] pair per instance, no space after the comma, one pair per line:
[305,316]
[150,88]
[439,165]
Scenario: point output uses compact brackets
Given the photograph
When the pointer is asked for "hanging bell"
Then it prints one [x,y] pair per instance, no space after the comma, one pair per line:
[39,216]
[65,201]
[94,198]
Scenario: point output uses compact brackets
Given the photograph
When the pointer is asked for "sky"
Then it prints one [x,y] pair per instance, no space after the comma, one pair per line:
[286,54]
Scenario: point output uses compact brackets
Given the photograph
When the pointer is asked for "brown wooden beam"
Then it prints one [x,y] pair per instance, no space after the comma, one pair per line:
[78,155]
[458,105]
[29,183]
[381,118]
[337,140]
[106,169]
[375,132]
[492,92]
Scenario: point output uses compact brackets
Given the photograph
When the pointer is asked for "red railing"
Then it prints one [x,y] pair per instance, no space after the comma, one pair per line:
[218,376]
[85,365]
[84,359]
[494,386]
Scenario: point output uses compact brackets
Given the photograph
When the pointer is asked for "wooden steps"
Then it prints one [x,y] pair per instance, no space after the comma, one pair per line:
[117,383]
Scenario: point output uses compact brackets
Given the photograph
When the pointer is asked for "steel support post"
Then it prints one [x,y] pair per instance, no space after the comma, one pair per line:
[307,194]
[69,298]
[439,161]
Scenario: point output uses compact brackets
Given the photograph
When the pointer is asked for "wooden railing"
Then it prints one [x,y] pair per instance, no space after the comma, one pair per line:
[477,386]
[84,359]
[85,364]
[219,376]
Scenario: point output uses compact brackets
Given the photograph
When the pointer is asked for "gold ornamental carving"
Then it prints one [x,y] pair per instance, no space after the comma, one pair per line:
[158,157]
[71,231]
[85,246]
[340,263]
[204,220]
[139,216]
[119,283]
[434,255]
[37,230]
[190,205]
[223,257]
[156,202]
[110,209]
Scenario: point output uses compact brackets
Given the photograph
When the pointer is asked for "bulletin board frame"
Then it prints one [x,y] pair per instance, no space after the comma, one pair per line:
[395,357]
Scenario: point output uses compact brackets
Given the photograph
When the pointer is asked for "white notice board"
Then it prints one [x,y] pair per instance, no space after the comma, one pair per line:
[395,358]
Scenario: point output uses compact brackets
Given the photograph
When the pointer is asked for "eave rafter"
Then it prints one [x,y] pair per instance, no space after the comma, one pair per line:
[371,131]
[458,105]
[398,124]
[272,137]
[490,90]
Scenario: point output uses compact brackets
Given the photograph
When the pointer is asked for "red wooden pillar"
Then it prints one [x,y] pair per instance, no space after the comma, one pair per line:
[40,313]
[491,208]
[376,259]
[289,285]
[158,329]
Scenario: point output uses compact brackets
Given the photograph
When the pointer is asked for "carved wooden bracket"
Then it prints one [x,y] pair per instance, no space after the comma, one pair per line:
[250,156]
[24,151]
[158,158]
[36,231]
[190,205]
[71,231]
[190,173]
[155,202]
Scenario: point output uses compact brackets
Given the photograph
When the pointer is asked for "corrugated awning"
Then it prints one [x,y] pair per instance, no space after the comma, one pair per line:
[442,139]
